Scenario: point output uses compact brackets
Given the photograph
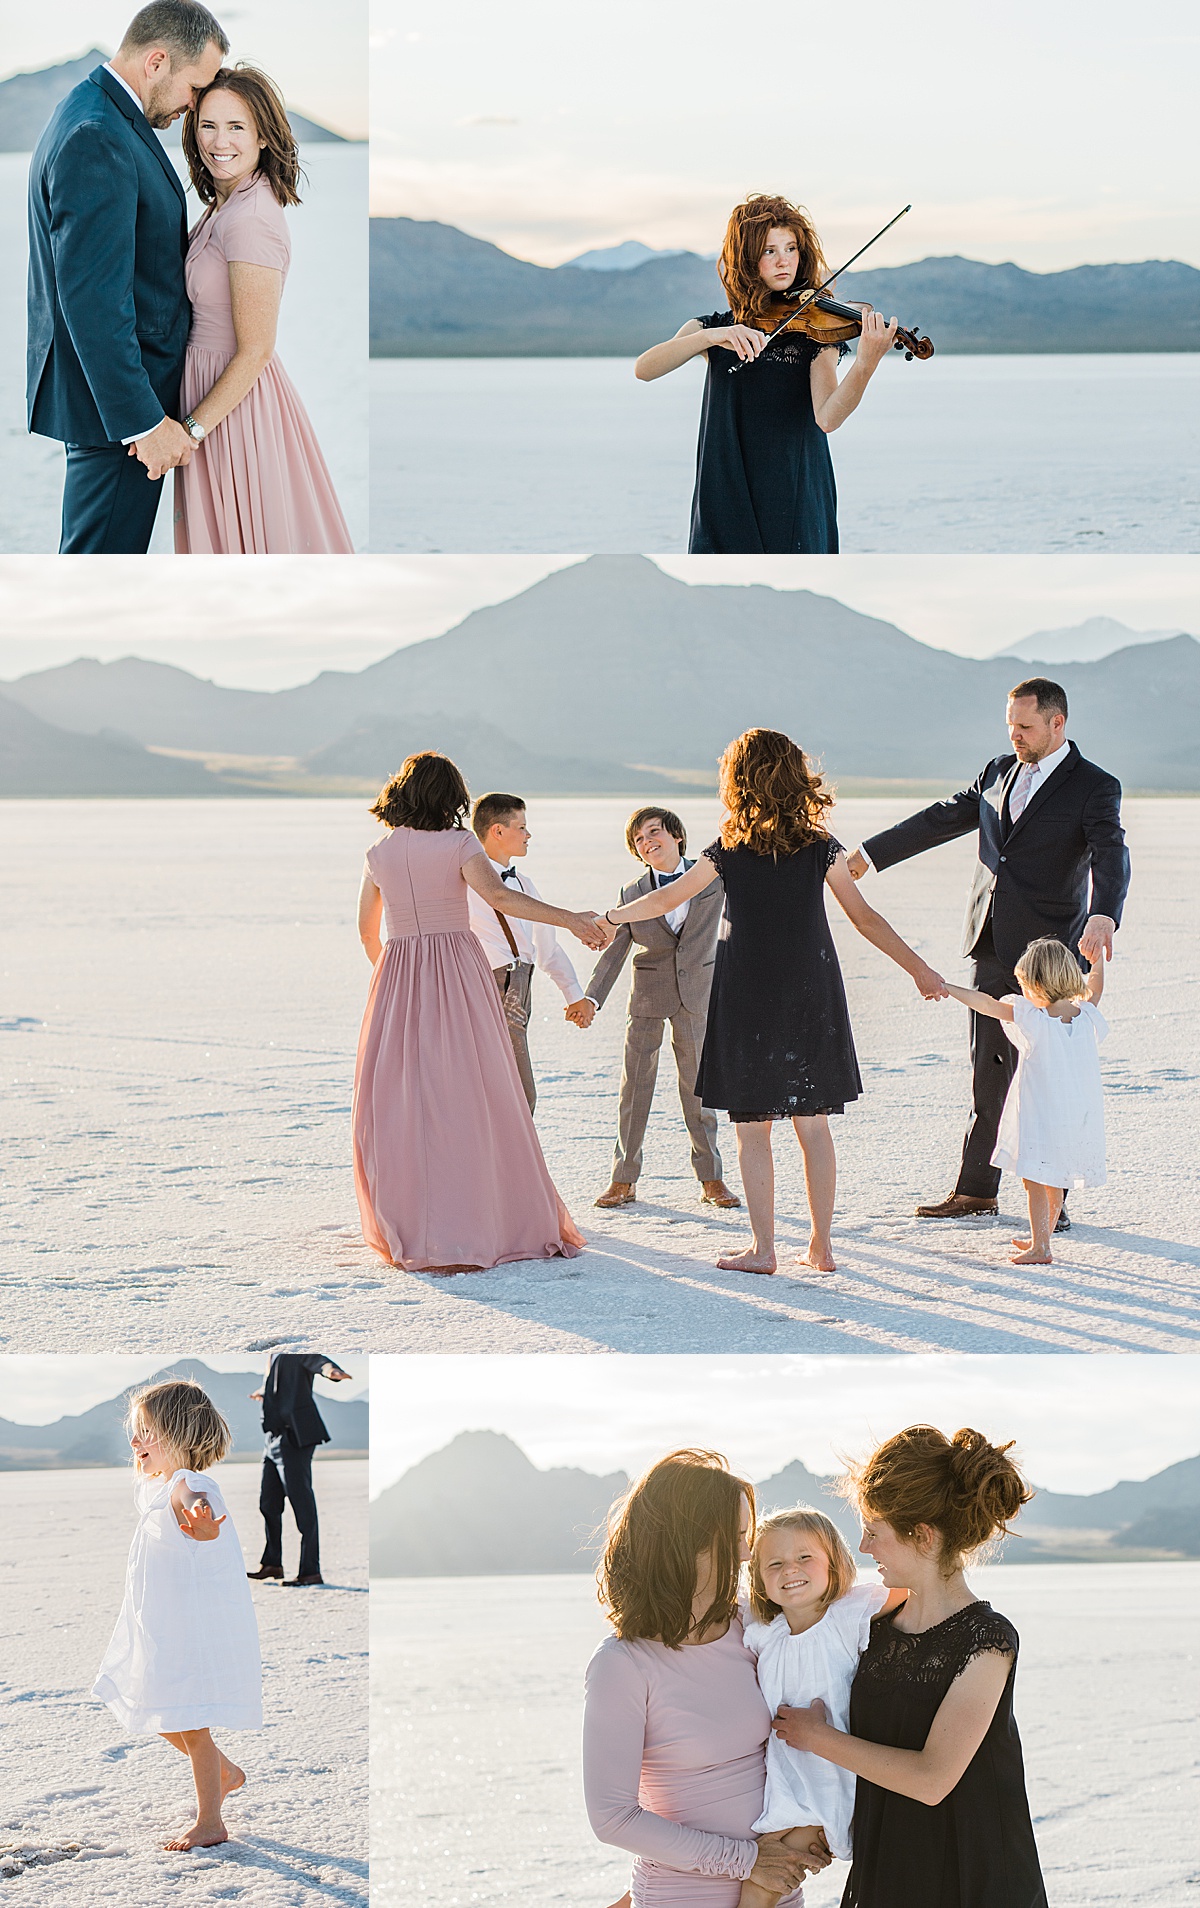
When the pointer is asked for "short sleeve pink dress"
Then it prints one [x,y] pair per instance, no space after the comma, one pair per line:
[674,1766]
[447,1164]
[258,484]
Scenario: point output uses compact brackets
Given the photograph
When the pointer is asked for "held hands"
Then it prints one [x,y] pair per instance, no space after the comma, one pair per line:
[1097,939]
[857,865]
[878,337]
[199,1522]
[581,1013]
[779,1869]
[801,1728]
[590,928]
[742,340]
[163,448]
[929,983]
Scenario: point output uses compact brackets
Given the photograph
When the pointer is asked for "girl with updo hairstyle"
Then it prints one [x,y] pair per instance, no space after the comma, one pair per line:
[941,1818]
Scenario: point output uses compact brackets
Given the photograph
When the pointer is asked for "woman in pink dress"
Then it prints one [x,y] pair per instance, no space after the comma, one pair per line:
[675,1726]
[257,482]
[447,1166]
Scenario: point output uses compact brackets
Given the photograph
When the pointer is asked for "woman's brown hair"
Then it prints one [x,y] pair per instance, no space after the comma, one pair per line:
[964,1487]
[776,799]
[687,1505]
[814,1523]
[279,161]
[426,792]
[750,299]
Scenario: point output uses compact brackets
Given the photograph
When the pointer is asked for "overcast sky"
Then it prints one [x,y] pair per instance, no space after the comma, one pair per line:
[1050,135]
[316,53]
[39,1390]
[277,621]
[1081,1423]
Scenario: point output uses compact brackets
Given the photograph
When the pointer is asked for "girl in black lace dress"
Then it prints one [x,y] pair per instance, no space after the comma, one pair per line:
[778,1044]
[941,1818]
[764,477]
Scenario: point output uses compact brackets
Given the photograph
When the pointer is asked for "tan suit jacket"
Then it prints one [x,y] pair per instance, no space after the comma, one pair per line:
[669,971]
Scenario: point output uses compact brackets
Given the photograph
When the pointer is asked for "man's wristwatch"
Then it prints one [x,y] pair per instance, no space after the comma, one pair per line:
[194,430]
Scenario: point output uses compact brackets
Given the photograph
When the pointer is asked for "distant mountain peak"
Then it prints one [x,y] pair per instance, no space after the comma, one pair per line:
[620,258]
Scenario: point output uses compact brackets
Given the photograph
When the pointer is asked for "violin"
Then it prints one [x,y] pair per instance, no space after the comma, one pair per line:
[828,322]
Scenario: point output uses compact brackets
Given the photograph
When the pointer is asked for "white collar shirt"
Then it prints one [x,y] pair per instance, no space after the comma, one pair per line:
[674,917]
[109,68]
[537,942]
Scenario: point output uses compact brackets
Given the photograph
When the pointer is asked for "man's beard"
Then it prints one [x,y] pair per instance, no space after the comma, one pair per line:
[158,114]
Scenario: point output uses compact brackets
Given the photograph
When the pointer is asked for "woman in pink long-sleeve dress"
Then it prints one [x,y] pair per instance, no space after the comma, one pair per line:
[447,1165]
[675,1725]
[257,482]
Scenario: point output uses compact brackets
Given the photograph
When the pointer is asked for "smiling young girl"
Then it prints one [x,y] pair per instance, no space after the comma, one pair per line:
[184,1658]
[764,476]
[941,1818]
[812,1621]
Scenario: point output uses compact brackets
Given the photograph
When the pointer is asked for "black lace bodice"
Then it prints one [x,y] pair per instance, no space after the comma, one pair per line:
[792,350]
[975,1848]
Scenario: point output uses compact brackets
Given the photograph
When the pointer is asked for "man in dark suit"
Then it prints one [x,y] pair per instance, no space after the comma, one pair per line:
[672,975]
[1052,861]
[108,307]
[292,1429]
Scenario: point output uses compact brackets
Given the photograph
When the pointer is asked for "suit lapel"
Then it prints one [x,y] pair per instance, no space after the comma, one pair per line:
[141,126]
[1043,789]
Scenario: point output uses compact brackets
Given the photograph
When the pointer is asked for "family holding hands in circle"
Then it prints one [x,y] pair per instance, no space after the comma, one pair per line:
[734,949]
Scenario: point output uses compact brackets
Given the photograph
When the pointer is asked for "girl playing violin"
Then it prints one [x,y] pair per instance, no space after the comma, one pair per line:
[764,476]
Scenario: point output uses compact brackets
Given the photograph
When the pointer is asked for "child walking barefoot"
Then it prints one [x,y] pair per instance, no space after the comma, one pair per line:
[1052,1127]
[812,1622]
[184,1659]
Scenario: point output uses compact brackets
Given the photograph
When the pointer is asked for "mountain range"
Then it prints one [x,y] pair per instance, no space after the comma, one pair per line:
[97,1436]
[584,713]
[436,292]
[478,1507]
[28,99]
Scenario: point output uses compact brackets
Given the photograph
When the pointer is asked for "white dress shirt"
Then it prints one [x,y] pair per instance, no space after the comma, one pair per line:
[674,917]
[109,68]
[1042,770]
[536,941]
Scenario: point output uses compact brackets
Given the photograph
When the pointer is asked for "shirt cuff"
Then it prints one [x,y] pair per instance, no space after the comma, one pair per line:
[138,435]
[866,857]
[594,1001]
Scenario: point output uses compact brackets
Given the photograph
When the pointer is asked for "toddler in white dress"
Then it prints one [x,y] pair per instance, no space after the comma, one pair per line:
[809,1622]
[1052,1127]
[184,1658]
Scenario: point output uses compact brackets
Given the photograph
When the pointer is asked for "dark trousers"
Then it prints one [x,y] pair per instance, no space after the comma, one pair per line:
[993,1063]
[109,503]
[515,984]
[287,1476]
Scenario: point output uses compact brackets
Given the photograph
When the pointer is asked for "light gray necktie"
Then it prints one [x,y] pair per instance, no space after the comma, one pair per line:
[1021,788]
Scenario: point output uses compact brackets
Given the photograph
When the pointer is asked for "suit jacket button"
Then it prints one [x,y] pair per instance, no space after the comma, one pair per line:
[1004,857]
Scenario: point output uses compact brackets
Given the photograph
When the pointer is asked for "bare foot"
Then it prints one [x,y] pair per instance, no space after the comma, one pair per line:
[200,1835]
[1022,1245]
[819,1257]
[232,1777]
[1034,1256]
[747,1261]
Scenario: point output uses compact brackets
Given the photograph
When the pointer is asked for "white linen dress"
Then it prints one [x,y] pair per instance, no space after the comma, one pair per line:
[803,1789]
[1052,1127]
[184,1653]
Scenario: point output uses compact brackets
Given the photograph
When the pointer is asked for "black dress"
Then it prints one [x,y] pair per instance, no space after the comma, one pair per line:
[764,476]
[974,1849]
[778,1040]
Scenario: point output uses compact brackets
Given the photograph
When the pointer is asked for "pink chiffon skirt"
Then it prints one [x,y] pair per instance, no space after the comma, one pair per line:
[447,1165]
[258,484]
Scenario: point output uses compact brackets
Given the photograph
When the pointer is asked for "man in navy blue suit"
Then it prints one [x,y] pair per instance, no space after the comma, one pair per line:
[1052,861]
[292,1430]
[108,307]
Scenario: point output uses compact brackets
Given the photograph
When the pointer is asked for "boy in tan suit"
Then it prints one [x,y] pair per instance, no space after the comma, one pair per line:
[672,975]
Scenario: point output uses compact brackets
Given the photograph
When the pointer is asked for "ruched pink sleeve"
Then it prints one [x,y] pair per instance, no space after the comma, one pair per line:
[614,1734]
[254,230]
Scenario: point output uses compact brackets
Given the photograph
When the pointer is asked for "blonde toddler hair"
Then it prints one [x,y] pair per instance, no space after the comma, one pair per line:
[842,1571]
[1051,970]
[180,1413]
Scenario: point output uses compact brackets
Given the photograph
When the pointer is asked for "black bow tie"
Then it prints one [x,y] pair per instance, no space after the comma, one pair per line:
[665,880]
[508,874]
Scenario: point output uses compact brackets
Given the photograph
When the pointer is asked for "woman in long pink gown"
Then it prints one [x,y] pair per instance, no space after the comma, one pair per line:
[448,1169]
[674,1725]
[257,482]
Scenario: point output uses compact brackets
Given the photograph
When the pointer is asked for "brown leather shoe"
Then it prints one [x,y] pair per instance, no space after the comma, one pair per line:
[618,1194]
[714,1192]
[959,1206]
[266,1573]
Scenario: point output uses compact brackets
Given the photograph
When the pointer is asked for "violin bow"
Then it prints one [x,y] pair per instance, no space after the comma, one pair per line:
[833,277]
